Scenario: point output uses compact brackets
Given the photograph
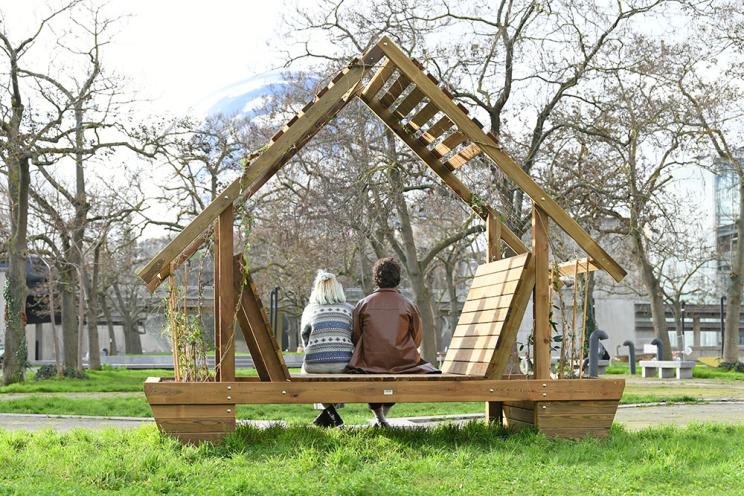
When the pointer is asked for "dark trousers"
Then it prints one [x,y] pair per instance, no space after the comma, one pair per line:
[376,406]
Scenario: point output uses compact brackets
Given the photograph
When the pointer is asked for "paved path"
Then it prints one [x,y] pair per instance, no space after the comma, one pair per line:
[632,417]
[638,417]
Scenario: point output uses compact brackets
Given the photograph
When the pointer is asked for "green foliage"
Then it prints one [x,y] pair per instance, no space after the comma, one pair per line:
[701,459]
[698,372]
[732,367]
[50,372]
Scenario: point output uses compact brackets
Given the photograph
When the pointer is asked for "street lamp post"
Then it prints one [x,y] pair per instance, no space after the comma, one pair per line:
[723,323]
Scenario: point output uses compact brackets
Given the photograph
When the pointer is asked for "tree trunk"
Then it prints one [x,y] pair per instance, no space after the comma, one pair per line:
[16,351]
[422,296]
[653,287]
[53,321]
[733,291]
[112,348]
[69,318]
[132,340]
[454,315]
[94,347]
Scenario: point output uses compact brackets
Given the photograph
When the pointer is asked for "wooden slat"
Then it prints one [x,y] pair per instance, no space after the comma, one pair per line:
[465,368]
[196,425]
[424,115]
[568,268]
[541,304]
[521,414]
[395,90]
[362,391]
[571,407]
[378,80]
[437,129]
[468,330]
[474,342]
[483,317]
[497,278]
[454,139]
[511,239]
[493,290]
[517,425]
[252,315]
[378,377]
[226,320]
[502,265]
[492,303]
[193,411]
[502,159]
[263,167]
[508,333]
[466,155]
[470,355]
[409,102]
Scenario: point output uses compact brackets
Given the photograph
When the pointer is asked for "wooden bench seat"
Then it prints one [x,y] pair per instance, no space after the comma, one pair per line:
[382,377]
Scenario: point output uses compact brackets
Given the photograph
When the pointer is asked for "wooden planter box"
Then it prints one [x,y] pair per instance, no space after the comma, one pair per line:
[197,412]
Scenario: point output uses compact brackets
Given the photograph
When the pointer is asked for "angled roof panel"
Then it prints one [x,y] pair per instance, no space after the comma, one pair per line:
[412,88]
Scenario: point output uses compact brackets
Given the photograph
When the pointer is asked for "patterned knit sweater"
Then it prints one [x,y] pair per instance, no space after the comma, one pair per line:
[326,333]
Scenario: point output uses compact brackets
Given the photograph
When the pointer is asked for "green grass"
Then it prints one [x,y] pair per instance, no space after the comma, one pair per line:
[700,371]
[107,380]
[137,406]
[701,459]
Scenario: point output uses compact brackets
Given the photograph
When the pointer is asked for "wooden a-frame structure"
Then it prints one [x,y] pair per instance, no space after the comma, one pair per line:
[422,113]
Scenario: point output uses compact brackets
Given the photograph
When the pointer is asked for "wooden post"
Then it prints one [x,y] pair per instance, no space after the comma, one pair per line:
[493,232]
[540,303]
[225,308]
[216,301]
[493,252]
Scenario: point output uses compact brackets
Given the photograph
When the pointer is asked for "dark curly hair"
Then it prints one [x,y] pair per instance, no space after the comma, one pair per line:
[386,273]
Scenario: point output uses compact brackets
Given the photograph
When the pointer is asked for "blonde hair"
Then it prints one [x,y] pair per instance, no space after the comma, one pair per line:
[327,290]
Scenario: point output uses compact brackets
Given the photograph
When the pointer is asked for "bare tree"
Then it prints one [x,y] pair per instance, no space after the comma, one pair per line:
[21,132]
[715,115]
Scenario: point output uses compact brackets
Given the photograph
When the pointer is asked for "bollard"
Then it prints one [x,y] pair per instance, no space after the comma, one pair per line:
[631,356]
[594,351]
[659,348]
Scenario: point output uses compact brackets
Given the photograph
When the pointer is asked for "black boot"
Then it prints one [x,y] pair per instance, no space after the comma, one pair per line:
[329,418]
[380,416]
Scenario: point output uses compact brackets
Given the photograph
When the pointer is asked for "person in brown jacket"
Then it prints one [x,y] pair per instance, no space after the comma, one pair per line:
[387,332]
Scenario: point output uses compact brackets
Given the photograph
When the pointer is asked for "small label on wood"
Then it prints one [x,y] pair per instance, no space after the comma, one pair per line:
[387,392]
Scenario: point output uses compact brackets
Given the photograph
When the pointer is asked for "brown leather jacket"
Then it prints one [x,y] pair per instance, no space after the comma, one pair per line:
[386,334]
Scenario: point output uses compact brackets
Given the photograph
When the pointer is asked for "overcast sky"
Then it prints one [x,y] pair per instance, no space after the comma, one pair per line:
[178,53]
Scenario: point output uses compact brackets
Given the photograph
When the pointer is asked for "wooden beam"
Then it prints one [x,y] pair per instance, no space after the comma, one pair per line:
[378,80]
[226,320]
[569,268]
[541,303]
[493,234]
[502,159]
[441,170]
[335,97]
[252,315]
[364,391]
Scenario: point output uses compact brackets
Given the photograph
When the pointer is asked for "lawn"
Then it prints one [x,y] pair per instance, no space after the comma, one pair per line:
[701,459]
[700,371]
[136,406]
[107,380]
[122,380]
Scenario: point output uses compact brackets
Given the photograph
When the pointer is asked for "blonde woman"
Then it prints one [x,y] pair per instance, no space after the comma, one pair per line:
[326,327]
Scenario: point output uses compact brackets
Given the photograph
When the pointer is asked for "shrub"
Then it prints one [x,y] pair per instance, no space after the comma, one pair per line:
[737,367]
[50,372]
